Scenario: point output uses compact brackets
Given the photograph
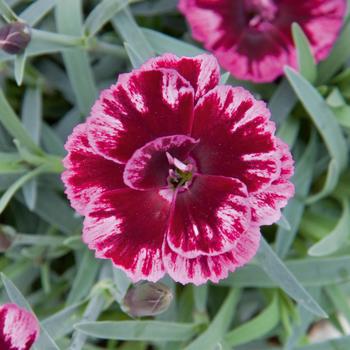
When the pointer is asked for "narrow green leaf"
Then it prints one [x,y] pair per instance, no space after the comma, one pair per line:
[224,78]
[32,113]
[65,126]
[162,43]
[56,211]
[33,13]
[312,272]
[6,197]
[342,114]
[260,325]
[295,208]
[138,330]
[338,56]
[200,294]
[342,343]
[20,63]
[289,131]
[47,42]
[37,240]
[61,323]
[91,313]
[101,14]
[6,12]
[331,181]
[74,243]
[327,126]
[282,102]
[217,328]
[51,141]
[84,279]
[135,59]
[10,163]
[69,21]
[30,193]
[15,127]
[335,98]
[121,283]
[301,325]
[279,272]
[31,119]
[336,239]
[128,29]
[339,300]
[14,294]
[306,61]
[155,7]
[283,223]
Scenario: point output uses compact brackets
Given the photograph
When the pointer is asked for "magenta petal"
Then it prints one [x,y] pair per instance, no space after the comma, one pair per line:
[19,329]
[209,217]
[267,204]
[252,39]
[128,227]
[87,173]
[314,16]
[214,268]
[202,71]
[259,57]
[142,106]
[240,141]
[149,167]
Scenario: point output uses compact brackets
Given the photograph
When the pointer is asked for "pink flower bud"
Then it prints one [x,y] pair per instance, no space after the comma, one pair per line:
[147,299]
[14,37]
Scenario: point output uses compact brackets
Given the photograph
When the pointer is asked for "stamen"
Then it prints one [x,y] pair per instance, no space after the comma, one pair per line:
[181,173]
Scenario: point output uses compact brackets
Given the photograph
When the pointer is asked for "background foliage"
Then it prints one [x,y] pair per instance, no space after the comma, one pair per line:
[302,270]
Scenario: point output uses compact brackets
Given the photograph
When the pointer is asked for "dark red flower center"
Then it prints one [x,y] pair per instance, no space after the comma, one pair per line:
[162,163]
[260,12]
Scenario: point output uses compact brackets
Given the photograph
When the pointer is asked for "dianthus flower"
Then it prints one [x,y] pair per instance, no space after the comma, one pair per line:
[19,329]
[175,173]
[252,39]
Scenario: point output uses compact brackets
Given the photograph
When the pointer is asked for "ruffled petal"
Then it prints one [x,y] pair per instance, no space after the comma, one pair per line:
[19,329]
[87,172]
[314,16]
[142,106]
[128,227]
[202,71]
[259,57]
[209,217]
[236,138]
[252,39]
[267,204]
[203,268]
[149,167]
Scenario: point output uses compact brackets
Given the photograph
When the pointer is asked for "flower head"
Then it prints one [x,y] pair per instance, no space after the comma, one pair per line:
[175,173]
[252,39]
[19,329]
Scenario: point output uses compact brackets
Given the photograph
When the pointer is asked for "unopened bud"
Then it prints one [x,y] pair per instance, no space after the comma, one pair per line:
[147,299]
[14,37]
[6,238]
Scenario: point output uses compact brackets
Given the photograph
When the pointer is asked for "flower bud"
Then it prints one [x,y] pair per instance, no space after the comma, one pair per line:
[14,37]
[6,238]
[5,243]
[147,299]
